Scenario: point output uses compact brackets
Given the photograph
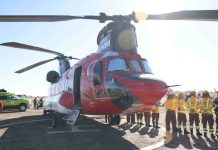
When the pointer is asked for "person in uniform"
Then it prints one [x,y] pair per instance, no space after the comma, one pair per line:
[155,116]
[215,104]
[139,117]
[147,116]
[207,113]
[170,105]
[194,105]
[181,113]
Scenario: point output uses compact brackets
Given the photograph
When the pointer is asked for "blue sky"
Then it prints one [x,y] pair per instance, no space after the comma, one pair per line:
[179,52]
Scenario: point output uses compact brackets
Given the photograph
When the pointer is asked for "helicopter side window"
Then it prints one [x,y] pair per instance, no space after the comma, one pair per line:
[117,64]
[134,65]
[146,66]
[97,74]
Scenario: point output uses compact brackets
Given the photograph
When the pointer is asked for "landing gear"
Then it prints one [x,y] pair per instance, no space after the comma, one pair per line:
[114,119]
[57,120]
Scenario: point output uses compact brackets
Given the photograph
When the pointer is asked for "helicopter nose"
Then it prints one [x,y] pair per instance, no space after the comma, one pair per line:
[145,87]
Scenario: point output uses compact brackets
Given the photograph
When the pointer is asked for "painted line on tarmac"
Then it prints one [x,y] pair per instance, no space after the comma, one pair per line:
[155,145]
[31,121]
[73,129]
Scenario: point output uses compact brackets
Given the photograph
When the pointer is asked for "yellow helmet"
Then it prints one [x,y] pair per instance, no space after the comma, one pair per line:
[181,95]
[193,93]
[205,94]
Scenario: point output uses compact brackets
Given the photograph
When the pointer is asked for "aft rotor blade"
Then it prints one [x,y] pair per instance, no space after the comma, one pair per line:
[35,65]
[29,47]
[197,15]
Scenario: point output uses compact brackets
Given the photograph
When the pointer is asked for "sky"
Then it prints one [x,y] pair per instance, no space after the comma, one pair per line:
[179,52]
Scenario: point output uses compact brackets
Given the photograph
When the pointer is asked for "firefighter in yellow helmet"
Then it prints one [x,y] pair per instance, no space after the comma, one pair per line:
[207,113]
[181,113]
[194,106]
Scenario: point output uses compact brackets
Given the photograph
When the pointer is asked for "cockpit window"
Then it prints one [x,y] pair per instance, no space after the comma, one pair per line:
[146,66]
[134,65]
[116,65]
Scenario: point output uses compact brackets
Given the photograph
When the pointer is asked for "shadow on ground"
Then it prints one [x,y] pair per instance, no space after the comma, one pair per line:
[34,136]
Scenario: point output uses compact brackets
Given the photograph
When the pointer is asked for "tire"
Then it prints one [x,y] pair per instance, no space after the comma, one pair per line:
[117,119]
[110,120]
[22,107]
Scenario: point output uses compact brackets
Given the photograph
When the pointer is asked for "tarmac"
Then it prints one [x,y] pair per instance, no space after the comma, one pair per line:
[31,130]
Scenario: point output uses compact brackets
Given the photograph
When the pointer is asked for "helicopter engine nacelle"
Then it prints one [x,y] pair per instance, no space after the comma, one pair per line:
[52,76]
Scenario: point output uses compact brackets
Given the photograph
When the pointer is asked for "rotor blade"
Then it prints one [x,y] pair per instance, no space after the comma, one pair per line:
[37,18]
[29,47]
[46,18]
[197,15]
[35,65]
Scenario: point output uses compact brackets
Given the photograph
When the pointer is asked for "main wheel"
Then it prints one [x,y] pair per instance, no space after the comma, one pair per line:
[22,107]
[110,120]
[117,119]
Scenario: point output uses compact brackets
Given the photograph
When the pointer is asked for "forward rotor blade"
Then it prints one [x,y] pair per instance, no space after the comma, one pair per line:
[29,47]
[35,65]
[197,15]
[44,18]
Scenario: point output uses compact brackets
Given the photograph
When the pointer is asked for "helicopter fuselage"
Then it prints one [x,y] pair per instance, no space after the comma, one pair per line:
[108,82]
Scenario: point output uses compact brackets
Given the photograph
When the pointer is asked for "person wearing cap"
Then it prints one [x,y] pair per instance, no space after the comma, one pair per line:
[155,116]
[194,105]
[215,105]
[181,113]
[207,113]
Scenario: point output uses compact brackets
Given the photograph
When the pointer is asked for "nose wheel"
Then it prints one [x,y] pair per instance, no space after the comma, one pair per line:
[114,119]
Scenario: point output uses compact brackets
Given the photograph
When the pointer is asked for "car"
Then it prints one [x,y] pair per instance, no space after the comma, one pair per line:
[11,101]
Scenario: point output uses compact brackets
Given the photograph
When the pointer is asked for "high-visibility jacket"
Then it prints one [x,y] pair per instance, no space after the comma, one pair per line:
[181,107]
[156,110]
[206,106]
[171,104]
[193,105]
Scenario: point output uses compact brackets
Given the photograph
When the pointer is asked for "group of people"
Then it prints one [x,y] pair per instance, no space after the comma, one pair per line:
[37,103]
[198,108]
[194,107]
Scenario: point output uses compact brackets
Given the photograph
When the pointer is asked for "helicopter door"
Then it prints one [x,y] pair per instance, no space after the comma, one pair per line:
[97,81]
[76,86]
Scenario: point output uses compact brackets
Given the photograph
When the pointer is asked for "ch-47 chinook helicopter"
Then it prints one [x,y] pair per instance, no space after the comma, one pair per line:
[112,81]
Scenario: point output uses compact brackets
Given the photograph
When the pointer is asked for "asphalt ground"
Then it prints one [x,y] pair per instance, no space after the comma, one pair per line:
[30,130]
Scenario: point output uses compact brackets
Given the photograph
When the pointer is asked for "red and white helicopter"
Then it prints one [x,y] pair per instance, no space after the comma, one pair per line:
[112,81]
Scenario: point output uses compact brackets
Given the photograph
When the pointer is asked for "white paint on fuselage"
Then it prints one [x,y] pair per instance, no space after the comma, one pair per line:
[52,103]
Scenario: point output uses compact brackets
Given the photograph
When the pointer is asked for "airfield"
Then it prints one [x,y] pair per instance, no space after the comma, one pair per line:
[31,130]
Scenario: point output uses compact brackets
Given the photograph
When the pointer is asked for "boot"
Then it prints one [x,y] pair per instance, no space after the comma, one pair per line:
[213,136]
[199,133]
[157,126]
[186,132]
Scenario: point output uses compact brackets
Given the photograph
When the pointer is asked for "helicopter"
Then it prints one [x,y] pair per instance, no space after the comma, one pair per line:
[115,80]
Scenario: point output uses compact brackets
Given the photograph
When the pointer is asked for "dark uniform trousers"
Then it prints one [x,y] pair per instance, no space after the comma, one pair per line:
[155,119]
[182,120]
[194,117]
[147,116]
[170,118]
[139,117]
[130,118]
[217,125]
[207,118]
